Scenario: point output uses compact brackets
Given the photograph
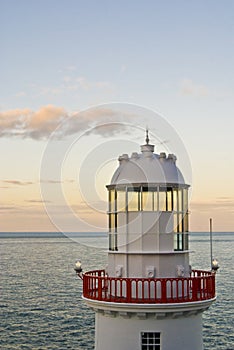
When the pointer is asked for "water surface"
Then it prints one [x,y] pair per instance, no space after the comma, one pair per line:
[41,305]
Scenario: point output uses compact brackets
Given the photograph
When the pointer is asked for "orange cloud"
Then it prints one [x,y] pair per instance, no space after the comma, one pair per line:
[26,123]
[18,183]
[40,124]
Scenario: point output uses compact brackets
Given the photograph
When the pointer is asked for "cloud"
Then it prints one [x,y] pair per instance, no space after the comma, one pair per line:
[10,209]
[26,183]
[100,121]
[26,123]
[74,83]
[50,181]
[37,201]
[44,121]
[18,183]
[225,200]
[188,87]
[40,124]
[7,208]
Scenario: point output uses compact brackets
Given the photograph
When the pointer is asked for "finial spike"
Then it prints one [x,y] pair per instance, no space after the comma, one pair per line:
[147,136]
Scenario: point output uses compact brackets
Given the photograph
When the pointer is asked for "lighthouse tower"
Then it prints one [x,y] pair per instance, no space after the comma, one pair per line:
[148,297]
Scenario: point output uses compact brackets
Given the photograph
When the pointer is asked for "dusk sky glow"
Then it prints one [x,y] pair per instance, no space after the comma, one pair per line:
[63,57]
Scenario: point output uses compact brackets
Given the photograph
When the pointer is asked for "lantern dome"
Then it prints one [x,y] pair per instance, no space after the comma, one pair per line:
[147,168]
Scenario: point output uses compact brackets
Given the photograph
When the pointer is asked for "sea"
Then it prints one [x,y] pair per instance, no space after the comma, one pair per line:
[41,302]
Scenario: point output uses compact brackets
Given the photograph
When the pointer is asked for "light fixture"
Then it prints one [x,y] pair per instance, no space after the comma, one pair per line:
[215,265]
[78,269]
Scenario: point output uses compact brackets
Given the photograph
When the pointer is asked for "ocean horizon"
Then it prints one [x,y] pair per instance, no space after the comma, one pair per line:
[56,234]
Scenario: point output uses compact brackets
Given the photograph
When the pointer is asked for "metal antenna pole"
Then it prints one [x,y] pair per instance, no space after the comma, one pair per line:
[211,243]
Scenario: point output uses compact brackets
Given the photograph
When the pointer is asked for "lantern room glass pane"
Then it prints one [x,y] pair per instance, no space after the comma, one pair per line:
[176,226]
[112,200]
[112,222]
[155,201]
[113,244]
[147,201]
[121,200]
[178,241]
[133,199]
[169,200]
[186,222]
[175,242]
[175,200]
[180,223]
[186,242]
[185,200]
[162,200]
[180,199]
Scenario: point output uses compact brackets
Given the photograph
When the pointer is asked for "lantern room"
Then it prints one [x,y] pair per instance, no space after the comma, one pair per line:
[148,215]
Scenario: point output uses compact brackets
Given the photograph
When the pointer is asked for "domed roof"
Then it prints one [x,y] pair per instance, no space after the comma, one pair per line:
[147,168]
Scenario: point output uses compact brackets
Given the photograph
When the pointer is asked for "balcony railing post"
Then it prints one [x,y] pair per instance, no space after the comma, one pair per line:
[163,290]
[129,290]
[99,278]
[213,285]
[195,288]
[199,281]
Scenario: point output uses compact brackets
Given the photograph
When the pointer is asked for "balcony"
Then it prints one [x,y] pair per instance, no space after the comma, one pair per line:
[199,286]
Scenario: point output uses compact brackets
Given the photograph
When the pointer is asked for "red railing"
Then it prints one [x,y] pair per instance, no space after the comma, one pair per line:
[199,286]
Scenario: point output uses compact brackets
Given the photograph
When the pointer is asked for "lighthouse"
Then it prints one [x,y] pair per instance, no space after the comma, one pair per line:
[148,297]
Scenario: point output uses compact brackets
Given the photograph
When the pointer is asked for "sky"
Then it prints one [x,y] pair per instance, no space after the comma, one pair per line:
[63,65]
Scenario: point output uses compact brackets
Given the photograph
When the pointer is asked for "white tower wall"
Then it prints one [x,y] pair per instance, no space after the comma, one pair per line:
[184,333]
